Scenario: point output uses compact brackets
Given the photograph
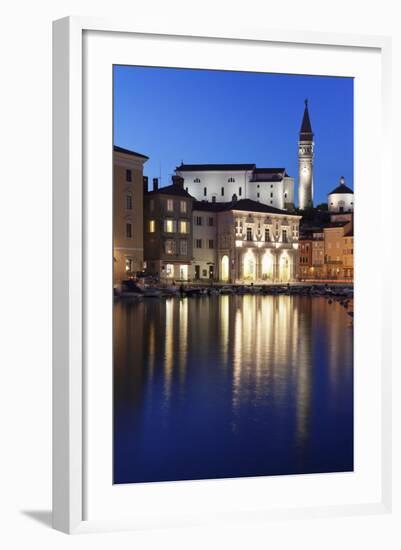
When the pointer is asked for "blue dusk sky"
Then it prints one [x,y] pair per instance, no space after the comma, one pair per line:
[201,116]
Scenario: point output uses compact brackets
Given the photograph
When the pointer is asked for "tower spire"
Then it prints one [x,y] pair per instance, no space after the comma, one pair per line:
[305,162]
[306,128]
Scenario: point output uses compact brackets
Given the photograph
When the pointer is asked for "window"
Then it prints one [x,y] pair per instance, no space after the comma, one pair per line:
[151,205]
[128,230]
[198,243]
[128,175]
[240,191]
[211,243]
[128,202]
[267,235]
[213,199]
[211,222]
[169,270]
[129,265]
[248,233]
[183,247]
[205,191]
[183,226]
[183,207]
[169,246]
[271,195]
[169,226]
[170,205]
[196,180]
[198,220]
[231,180]
[152,226]
[222,191]
[285,240]
[258,195]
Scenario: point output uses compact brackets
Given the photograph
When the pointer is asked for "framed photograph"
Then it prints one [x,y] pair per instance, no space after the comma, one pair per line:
[220,334]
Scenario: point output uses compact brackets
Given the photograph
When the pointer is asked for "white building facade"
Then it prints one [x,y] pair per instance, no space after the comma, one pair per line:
[341,199]
[252,242]
[223,182]
[204,229]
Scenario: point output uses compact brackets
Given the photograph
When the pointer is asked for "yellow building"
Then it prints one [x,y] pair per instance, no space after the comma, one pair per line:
[336,237]
[127,213]
[348,255]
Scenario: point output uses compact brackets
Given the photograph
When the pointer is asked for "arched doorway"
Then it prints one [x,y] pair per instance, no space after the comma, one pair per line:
[267,266]
[285,267]
[249,266]
[224,268]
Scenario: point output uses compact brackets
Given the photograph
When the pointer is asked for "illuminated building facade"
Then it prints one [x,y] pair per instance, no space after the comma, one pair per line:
[168,230]
[341,199]
[339,250]
[254,242]
[220,182]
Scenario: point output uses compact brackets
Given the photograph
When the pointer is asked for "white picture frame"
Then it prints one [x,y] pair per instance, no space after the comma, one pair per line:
[71,421]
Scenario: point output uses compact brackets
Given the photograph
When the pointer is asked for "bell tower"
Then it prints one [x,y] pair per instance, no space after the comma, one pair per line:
[305,162]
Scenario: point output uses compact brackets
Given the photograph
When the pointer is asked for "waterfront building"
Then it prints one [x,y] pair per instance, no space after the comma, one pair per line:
[220,182]
[127,213]
[305,257]
[204,227]
[348,255]
[335,245]
[341,199]
[255,242]
[168,230]
[305,162]
[311,254]
[318,266]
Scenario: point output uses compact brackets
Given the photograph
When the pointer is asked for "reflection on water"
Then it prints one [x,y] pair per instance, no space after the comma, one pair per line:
[231,386]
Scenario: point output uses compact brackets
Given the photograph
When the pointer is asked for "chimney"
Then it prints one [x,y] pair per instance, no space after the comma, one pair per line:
[178,181]
[155,184]
[145,184]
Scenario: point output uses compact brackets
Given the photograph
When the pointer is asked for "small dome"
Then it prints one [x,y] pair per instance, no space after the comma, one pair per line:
[342,189]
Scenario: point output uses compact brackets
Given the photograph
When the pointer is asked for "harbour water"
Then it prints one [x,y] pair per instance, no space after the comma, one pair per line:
[231,386]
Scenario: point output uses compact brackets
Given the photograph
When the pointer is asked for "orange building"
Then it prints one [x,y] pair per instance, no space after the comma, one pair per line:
[305,270]
[337,239]
[348,255]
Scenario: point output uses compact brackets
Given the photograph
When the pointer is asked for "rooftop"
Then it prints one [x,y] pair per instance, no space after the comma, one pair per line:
[214,167]
[334,225]
[173,190]
[306,127]
[246,205]
[342,188]
[118,149]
